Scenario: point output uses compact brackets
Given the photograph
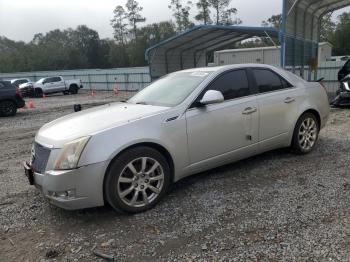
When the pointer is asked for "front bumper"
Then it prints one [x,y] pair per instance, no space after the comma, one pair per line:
[342,99]
[27,91]
[73,189]
[20,102]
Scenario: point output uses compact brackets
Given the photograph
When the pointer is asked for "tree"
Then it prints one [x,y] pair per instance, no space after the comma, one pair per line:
[182,14]
[147,36]
[223,13]
[341,36]
[134,16]
[56,50]
[119,25]
[274,21]
[86,41]
[228,17]
[203,15]
[327,27]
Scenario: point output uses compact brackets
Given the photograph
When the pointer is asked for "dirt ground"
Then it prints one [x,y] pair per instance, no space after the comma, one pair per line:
[272,207]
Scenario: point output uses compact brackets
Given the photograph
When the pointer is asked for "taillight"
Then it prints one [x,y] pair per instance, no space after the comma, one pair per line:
[18,92]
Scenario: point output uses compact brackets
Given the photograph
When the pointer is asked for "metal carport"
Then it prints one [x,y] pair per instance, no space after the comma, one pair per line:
[301,21]
[189,49]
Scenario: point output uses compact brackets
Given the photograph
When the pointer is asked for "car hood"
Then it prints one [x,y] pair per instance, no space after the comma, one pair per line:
[65,129]
[24,85]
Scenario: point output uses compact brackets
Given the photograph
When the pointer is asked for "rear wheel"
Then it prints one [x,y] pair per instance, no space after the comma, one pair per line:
[305,134]
[137,180]
[73,89]
[8,108]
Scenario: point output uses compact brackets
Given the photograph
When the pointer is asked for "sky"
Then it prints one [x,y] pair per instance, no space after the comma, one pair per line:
[21,19]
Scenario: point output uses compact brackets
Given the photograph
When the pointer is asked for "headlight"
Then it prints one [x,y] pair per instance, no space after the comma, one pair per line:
[70,154]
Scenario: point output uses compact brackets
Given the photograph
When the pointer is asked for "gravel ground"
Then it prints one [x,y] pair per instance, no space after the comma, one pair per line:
[272,207]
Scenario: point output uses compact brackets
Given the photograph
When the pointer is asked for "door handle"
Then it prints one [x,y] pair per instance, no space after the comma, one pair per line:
[289,100]
[249,110]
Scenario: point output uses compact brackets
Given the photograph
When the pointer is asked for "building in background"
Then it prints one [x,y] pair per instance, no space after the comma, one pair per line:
[263,55]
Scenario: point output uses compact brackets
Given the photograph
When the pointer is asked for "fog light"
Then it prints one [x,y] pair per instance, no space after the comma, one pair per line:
[63,194]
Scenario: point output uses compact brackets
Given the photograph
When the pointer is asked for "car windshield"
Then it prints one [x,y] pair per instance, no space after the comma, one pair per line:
[170,90]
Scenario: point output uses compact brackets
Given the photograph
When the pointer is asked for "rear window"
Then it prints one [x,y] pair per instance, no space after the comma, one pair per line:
[56,79]
[269,81]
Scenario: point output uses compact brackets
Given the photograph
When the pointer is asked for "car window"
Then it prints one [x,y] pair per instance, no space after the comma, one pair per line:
[170,90]
[7,84]
[56,79]
[22,81]
[47,80]
[268,81]
[233,84]
[2,85]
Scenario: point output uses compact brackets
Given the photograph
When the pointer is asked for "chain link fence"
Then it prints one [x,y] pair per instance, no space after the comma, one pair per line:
[124,81]
[327,70]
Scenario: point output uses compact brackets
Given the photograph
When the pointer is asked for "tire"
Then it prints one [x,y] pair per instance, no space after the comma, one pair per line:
[73,89]
[134,191]
[305,134]
[38,92]
[65,92]
[8,108]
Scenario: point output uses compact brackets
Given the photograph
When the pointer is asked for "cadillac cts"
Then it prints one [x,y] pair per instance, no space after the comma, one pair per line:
[127,154]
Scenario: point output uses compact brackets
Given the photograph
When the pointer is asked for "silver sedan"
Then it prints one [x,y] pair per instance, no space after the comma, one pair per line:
[128,154]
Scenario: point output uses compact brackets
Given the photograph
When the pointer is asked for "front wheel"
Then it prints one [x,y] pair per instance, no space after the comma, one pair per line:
[8,108]
[38,92]
[137,180]
[305,134]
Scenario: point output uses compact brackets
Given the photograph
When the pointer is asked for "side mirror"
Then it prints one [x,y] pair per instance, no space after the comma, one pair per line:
[212,97]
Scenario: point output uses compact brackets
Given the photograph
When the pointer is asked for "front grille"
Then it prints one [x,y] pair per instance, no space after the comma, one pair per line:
[40,156]
[26,91]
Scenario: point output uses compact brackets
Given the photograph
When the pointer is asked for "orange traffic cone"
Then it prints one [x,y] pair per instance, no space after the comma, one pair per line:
[31,104]
[115,91]
[92,92]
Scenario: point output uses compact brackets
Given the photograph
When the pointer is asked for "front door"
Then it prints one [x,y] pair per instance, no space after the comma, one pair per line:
[215,132]
[49,85]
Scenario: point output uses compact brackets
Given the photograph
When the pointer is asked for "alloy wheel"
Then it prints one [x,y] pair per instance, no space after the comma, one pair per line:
[308,132]
[140,182]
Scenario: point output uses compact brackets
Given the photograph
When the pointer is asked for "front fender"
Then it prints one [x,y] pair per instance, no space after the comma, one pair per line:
[104,146]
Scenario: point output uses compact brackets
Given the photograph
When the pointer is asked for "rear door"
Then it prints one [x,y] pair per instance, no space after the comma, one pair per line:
[58,84]
[215,132]
[278,102]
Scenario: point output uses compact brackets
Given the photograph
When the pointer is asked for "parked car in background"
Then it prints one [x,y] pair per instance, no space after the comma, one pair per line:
[17,82]
[10,99]
[127,154]
[57,84]
[344,71]
[28,90]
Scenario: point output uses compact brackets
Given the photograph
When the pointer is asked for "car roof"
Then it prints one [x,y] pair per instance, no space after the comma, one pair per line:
[227,67]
